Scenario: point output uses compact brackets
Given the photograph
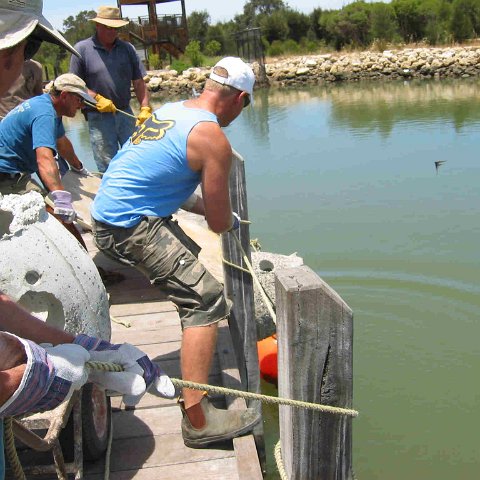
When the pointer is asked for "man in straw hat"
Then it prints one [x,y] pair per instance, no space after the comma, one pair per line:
[179,147]
[109,66]
[22,30]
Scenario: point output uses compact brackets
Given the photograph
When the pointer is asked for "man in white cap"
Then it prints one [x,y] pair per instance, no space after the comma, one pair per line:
[109,66]
[179,147]
[22,30]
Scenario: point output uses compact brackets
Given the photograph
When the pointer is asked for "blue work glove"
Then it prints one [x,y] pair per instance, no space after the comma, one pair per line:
[140,373]
[62,201]
[236,221]
[51,376]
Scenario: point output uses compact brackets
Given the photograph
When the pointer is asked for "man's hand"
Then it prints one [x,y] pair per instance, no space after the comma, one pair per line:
[50,377]
[145,113]
[139,374]
[104,105]
[62,201]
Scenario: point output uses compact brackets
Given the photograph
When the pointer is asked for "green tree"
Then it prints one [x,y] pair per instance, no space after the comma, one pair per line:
[198,25]
[79,27]
[383,20]
[298,24]
[410,21]
[351,25]
[274,26]
[465,21]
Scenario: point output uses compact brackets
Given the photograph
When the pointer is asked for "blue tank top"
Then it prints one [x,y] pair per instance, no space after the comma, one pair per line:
[150,175]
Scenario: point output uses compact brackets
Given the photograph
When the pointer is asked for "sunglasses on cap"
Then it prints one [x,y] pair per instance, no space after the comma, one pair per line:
[31,48]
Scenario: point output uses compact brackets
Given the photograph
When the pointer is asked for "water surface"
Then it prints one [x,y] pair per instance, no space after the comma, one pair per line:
[345,176]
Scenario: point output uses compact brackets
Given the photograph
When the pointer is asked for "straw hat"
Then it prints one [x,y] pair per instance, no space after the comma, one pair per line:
[18,20]
[110,16]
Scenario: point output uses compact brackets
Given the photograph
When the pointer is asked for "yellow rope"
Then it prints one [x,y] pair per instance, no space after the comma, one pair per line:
[10,450]
[265,398]
[277,453]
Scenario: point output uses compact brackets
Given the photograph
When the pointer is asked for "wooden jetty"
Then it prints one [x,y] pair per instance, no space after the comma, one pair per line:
[147,442]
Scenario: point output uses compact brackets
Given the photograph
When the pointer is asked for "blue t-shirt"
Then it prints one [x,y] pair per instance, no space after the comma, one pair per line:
[109,73]
[150,175]
[30,125]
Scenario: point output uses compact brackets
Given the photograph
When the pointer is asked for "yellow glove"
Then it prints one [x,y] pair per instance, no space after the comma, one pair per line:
[104,105]
[145,113]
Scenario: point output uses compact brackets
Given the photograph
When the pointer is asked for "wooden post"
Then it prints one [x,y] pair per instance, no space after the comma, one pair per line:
[239,288]
[315,334]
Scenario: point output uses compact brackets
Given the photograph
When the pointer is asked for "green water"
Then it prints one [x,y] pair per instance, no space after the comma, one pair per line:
[345,176]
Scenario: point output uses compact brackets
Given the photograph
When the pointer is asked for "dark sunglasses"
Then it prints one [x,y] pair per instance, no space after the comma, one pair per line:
[31,48]
[246,100]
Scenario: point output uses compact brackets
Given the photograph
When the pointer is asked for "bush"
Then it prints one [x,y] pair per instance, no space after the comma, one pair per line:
[212,48]
[193,53]
[179,65]
[154,61]
[275,49]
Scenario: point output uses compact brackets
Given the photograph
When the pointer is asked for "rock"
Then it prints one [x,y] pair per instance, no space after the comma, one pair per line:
[265,265]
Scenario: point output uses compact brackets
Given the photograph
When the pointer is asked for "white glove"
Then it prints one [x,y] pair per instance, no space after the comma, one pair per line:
[81,171]
[62,201]
[140,373]
[51,376]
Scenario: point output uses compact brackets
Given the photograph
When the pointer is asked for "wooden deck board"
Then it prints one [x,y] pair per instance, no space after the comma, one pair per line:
[147,441]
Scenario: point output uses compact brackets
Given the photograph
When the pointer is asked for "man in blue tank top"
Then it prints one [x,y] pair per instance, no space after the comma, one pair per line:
[179,147]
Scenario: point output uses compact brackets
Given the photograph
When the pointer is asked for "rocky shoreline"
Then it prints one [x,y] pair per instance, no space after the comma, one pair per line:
[408,63]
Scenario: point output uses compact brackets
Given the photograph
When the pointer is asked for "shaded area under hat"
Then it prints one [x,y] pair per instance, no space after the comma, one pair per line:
[19,20]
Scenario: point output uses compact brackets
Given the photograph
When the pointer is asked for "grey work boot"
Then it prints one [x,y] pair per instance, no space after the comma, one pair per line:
[220,424]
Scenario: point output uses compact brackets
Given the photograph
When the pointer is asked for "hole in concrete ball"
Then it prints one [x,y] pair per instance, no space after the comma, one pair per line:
[32,277]
[266,265]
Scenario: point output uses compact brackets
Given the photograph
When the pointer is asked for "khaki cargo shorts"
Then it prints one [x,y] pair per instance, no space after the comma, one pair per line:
[20,184]
[162,251]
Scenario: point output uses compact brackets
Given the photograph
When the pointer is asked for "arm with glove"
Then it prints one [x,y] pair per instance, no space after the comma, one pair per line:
[42,378]
[65,149]
[139,372]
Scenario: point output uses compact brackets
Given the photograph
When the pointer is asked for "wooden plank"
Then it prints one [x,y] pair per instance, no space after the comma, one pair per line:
[217,469]
[123,309]
[239,288]
[155,451]
[248,463]
[314,333]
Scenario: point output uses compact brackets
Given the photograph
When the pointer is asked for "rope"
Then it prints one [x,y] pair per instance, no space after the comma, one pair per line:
[10,450]
[277,453]
[265,398]
[268,302]
[117,110]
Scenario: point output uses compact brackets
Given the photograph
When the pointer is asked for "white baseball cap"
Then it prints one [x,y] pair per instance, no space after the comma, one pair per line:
[69,82]
[19,18]
[240,75]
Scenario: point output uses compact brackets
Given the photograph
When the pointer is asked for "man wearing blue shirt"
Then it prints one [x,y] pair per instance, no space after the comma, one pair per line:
[109,66]
[28,142]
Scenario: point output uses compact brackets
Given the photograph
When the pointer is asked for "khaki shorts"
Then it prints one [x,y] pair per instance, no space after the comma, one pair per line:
[20,184]
[162,251]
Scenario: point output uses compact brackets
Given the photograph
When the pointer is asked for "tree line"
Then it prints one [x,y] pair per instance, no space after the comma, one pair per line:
[285,30]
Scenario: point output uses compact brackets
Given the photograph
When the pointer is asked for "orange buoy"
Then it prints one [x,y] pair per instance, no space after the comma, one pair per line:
[267,359]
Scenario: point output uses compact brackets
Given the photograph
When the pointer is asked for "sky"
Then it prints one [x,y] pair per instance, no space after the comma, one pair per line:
[220,10]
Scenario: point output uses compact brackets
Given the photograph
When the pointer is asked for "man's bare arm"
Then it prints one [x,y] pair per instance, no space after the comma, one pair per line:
[209,151]
[16,320]
[66,150]
[48,169]
[141,92]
